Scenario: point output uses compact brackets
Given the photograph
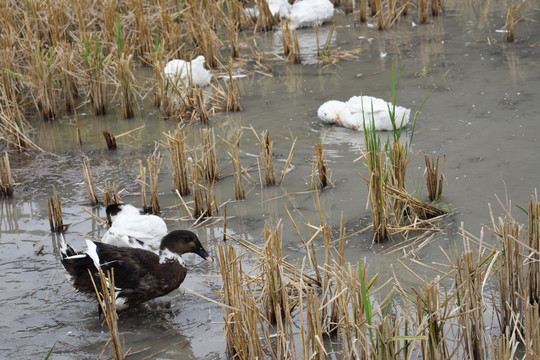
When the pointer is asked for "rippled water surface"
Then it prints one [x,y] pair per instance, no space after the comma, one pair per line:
[483,116]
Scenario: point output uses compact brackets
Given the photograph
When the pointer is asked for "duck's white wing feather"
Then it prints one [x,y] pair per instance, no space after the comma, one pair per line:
[133,230]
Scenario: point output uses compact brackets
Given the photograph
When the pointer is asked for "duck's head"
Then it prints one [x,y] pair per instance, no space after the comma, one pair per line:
[114,210]
[184,241]
[329,111]
[199,60]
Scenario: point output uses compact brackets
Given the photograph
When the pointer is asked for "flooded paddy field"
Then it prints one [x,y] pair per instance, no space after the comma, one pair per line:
[482,115]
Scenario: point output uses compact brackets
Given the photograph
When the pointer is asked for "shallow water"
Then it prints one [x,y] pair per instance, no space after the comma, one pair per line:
[483,116]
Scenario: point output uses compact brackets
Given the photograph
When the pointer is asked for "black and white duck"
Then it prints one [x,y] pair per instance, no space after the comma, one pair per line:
[139,275]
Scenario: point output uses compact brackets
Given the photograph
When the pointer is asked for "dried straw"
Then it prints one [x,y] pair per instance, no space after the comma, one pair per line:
[54,208]
[179,160]
[106,294]
[434,183]
[89,181]
[7,185]
[110,140]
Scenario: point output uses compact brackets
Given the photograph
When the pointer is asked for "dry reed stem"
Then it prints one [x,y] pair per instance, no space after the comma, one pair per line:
[511,22]
[54,208]
[288,168]
[469,277]
[110,193]
[273,293]
[43,86]
[89,181]
[265,19]
[348,6]
[110,139]
[7,185]
[97,68]
[404,7]
[153,165]
[533,256]
[381,23]
[142,181]
[362,5]
[240,311]
[239,192]
[67,71]
[436,7]
[286,38]
[423,11]
[532,331]
[201,106]
[160,82]
[267,158]
[319,177]
[179,161]
[233,92]
[294,56]
[209,158]
[106,295]
[434,183]
[126,80]
[202,190]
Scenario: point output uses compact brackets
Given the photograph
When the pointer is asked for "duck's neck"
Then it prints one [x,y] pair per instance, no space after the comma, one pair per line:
[165,255]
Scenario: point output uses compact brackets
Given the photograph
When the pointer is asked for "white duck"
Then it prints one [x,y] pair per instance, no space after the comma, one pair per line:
[179,70]
[130,228]
[306,13]
[358,109]
[274,6]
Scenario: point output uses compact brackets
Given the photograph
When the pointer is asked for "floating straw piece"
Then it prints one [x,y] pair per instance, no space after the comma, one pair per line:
[7,185]
[89,181]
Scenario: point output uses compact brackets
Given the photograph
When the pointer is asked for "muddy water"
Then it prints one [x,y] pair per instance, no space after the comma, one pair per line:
[483,116]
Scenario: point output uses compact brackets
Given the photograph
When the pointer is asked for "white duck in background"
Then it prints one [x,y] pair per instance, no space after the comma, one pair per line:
[178,70]
[351,114]
[306,13]
[274,6]
[130,228]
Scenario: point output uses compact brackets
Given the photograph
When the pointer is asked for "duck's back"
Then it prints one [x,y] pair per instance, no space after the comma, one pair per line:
[369,108]
[310,12]
[176,69]
[135,230]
